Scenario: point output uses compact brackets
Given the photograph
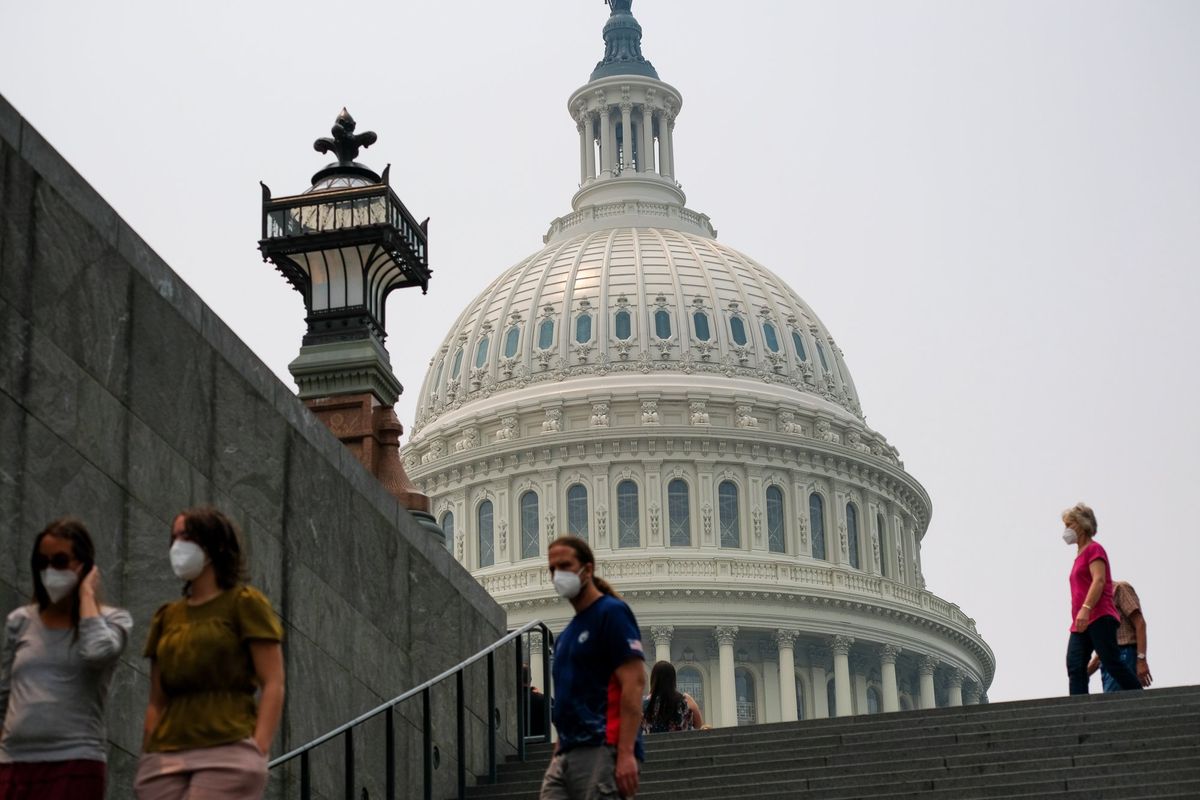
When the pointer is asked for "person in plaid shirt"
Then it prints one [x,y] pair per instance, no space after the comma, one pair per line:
[1131,638]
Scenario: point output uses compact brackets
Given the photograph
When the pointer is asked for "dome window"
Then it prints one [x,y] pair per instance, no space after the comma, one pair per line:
[700,323]
[852,534]
[577,511]
[481,352]
[737,329]
[727,502]
[487,542]
[629,532]
[816,517]
[881,527]
[623,323]
[583,328]
[679,513]
[775,539]
[530,535]
[798,343]
[437,376]
[447,525]
[546,334]
[458,354]
[770,337]
[662,323]
[512,340]
[821,356]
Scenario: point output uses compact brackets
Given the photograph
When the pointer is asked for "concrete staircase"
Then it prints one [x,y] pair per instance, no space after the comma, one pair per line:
[1127,746]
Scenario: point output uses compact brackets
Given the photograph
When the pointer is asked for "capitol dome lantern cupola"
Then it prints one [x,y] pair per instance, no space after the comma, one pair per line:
[625,117]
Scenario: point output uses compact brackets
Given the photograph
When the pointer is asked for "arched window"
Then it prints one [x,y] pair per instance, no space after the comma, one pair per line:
[883,551]
[700,323]
[662,324]
[481,352]
[583,328]
[821,355]
[775,540]
[577,511]
[747,703]
[801,713]
[737,329]
[629,532]
[798,343]
[831,698]
[512,340]
[530,535]
[447,525]
[688,680]
[873,704]
[487,541]
[727,502]
[852,534]
[623,324]
[437,378]
[458,354]
[770,337]
[816,516]
[546,334]
[679,514]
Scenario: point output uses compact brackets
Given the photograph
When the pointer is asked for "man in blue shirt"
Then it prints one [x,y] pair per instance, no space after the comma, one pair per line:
[599,678]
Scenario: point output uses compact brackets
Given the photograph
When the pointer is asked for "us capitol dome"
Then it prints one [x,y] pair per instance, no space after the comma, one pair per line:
[675,403]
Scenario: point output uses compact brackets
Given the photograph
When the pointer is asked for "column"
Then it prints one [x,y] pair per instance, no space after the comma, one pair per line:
[662,641]
[581,126]
[725,636]
[536,675]
[859,670]
[925,667]
[666,159]
[646,162]
[606,144]
[589,135]
[887,671]
[971,694]
[818,657]
[954,687]
[786,641]
[840,646]
[626,134]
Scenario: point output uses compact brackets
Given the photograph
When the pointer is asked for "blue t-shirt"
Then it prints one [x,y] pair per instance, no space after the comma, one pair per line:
[587,697]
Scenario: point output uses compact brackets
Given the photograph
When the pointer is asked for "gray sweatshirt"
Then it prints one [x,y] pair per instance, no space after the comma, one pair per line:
[53,686]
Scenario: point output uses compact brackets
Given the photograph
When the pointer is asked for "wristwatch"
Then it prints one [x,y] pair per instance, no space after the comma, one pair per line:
[1141,656]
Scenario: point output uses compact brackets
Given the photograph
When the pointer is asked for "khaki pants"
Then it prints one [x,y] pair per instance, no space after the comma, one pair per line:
[226,772]
[584,773]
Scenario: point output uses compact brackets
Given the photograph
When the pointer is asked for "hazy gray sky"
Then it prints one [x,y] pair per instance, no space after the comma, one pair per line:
[994,206]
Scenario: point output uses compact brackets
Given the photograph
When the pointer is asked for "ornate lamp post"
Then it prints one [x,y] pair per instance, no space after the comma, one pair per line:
[345,244]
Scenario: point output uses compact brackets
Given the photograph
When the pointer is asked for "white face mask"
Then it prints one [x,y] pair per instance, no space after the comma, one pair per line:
[187,559]
[1070,536]
[58,582]
[567,584]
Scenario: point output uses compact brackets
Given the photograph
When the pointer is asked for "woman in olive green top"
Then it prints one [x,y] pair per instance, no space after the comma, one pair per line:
[210,652]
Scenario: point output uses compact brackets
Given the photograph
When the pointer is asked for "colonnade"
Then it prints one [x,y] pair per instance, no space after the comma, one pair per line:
[627,133]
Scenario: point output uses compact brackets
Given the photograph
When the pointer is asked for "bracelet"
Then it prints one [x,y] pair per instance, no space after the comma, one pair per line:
[1085,605]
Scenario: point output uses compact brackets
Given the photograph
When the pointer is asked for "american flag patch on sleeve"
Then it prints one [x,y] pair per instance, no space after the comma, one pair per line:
[636,644]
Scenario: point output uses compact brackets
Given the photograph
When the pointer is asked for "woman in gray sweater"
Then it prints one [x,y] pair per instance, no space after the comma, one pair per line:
[59,657]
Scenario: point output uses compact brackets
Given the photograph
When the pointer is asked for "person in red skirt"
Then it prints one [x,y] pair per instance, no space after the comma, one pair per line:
[59,656]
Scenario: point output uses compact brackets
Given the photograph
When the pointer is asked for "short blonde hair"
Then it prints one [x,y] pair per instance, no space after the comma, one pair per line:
[1083,517]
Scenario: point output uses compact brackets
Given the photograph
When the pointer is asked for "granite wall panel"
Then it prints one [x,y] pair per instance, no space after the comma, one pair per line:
[124,399]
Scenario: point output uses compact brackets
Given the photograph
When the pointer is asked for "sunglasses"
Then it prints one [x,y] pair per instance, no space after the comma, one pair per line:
[58,561]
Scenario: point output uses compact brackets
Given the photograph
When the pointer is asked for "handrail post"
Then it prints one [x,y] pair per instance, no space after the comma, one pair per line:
[305,778]
[390,761]
[547,646]
[349,771]
[491,716]
[461,724]
[428,736]
[520,698]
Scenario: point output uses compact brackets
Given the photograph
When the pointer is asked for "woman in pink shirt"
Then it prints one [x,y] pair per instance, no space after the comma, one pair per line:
[1096,618]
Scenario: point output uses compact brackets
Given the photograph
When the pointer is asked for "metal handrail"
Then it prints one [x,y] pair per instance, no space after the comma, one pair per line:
[347,729]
